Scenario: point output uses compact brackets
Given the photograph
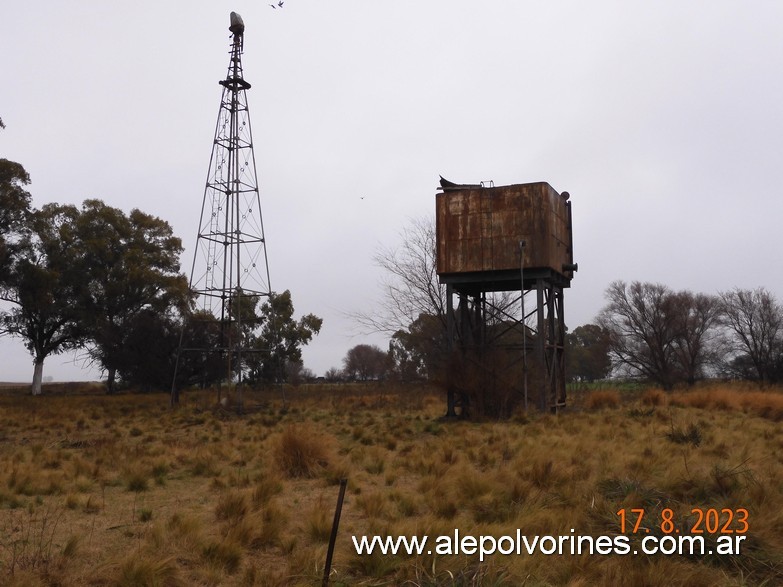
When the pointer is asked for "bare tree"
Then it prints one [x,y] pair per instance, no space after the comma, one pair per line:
[410,287]
[297,373]
[333,375]
[659,334]
[643,329]
[754,320]
[413,305]
[698,343]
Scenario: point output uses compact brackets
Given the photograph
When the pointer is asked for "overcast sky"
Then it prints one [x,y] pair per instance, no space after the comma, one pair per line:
[662,119]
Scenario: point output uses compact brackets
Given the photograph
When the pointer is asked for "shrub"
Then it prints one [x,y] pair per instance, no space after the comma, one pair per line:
[373,504]
[273,523]
[337,471]
[689,435]
[225,555]
[231,508]
[301,452]
[606,398]
[141,572]
[266,487]
[375,463]
[654,397]
[319,522]
[187,529]
[136,480]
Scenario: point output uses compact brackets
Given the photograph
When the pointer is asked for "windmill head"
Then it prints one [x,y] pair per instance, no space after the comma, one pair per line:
[237,25]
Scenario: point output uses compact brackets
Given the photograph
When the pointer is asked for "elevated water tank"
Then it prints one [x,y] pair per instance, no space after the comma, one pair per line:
[479,230]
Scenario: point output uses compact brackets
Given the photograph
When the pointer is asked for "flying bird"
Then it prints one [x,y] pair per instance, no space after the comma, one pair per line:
[273,6]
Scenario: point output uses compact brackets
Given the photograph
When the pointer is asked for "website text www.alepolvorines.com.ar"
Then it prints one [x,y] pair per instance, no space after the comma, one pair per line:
[570,544]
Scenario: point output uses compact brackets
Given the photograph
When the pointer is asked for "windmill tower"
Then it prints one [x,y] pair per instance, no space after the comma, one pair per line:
[230,269]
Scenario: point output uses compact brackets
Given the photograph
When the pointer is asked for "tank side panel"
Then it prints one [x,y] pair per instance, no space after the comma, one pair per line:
[480,229]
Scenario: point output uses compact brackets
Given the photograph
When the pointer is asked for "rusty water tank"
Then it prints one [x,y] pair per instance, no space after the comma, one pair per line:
[479,229]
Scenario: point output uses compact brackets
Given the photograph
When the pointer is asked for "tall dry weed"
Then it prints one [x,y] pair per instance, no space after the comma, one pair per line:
[267,486]
[766,404]
[144,571]
[229,512]
[231,507]
[602,398]
[302,451]
[654,397]
[318,521]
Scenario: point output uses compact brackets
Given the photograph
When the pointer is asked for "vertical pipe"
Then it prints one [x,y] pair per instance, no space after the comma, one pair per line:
[450,318]
[552,352]
[541,340]
[524,326]
[333,538]
[562,346]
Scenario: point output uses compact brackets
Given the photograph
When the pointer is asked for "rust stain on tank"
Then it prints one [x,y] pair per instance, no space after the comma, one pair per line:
[479,229]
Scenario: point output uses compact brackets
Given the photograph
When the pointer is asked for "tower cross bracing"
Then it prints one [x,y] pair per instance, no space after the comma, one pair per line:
[230,264]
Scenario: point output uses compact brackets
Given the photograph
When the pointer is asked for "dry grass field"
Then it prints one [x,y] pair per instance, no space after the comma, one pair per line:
[121,490]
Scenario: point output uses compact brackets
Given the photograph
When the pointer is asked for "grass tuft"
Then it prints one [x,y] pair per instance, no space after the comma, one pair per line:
[226,555]
[604,398]
[231,508]
[247,499]
[689,435]
[301,451]
[318,523]
[267,486]
[139,571]
[136,480]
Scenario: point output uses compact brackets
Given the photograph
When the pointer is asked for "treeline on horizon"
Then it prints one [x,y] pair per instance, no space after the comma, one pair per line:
[97,280]
[108,283]
[650,332]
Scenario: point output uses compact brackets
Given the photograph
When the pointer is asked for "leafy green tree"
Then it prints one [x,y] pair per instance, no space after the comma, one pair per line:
[588,358]
[197,353]
[14,210]
[130,264]
[42,282]
[366,362]
[204,365]
[280,339]
[239,332]
[421,350]
[150,344]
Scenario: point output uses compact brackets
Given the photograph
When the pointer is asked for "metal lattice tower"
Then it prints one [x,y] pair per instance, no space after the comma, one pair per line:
[230,264]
